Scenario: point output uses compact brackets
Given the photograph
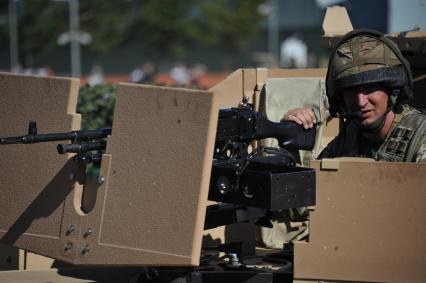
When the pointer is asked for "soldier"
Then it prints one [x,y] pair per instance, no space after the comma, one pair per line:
[369,84]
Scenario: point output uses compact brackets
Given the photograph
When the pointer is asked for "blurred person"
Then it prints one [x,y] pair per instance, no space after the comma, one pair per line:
[369,84]
[96,76]
[28,71]
[143,74]
[180,74]
[197,72]
[44,71]
[148,70]
[137,75]
[293,53]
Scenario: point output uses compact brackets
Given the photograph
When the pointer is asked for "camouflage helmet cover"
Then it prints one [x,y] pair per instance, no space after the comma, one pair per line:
[364,57]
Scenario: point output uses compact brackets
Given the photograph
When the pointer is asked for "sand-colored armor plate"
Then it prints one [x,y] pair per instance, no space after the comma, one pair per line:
[368,224]
[151,208]
[35,181]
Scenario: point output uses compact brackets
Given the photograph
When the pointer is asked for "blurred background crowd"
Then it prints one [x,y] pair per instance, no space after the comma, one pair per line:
[188,43]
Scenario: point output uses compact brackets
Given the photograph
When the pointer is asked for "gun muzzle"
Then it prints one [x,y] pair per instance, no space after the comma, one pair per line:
[80,148]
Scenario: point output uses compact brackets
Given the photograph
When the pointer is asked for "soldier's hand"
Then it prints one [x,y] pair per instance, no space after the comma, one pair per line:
[302,116]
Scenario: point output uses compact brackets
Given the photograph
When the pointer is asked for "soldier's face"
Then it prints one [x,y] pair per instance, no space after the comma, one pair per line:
[371,101]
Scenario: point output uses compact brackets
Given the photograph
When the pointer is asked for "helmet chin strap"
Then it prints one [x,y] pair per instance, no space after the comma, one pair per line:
[372,128]
[377,125]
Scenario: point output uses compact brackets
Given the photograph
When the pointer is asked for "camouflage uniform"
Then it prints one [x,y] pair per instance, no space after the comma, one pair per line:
[362,58]
[405,141]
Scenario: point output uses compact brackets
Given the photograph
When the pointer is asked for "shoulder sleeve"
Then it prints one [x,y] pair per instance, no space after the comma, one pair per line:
[420,156]
[420,148]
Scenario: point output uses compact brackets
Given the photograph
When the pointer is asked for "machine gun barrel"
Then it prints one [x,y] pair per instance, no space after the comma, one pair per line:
[81,142]
[71,136]
[80,148]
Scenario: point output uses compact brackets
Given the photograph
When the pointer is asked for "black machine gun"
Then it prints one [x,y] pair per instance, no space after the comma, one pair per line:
[263,179]
[82,142]
[259,177]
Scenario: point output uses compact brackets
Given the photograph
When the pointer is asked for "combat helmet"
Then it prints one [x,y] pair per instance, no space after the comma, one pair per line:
[367,57]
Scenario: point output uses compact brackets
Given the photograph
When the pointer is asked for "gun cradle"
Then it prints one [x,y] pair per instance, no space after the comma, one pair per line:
[263,184]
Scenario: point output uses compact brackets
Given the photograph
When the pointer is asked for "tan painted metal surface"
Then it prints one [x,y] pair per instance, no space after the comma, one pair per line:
[229,91]
[36,183]
[151,208]
[336,21]
[368,224]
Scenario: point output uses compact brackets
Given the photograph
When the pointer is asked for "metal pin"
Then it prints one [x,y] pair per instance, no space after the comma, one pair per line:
[101,179]
[88,232]
[70,229]
[86,249]
[67,247]
[223,189]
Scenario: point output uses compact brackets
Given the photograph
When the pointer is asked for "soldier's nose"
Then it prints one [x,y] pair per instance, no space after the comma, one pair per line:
[361,99]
